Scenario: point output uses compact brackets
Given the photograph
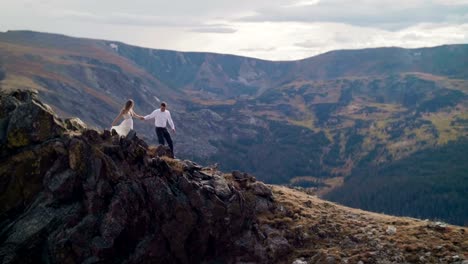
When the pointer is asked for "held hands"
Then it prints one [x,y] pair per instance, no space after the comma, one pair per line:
[139,116]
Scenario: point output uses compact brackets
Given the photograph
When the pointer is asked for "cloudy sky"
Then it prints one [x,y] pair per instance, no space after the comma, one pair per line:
[268,29]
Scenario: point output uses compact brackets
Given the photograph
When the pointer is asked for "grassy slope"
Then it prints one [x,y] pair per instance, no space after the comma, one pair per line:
[322,231]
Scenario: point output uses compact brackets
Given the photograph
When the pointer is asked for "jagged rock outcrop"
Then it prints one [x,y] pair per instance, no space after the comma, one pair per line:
[73,195]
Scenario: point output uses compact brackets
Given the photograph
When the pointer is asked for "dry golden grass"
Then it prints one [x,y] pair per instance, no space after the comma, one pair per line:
[301,106]
[176,165]
[15,82]
[330,184]
[307,123]
[455,84]
[425,76]
[207,102]
[269,114]
[332,96]
[57,55]
[329,134]
[321,228]
[442,122]
[22,71]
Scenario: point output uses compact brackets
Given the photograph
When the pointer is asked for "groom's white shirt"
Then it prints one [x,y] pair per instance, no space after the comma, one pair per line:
[161,118]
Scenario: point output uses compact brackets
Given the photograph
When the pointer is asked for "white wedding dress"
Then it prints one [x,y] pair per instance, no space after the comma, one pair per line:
[126,125]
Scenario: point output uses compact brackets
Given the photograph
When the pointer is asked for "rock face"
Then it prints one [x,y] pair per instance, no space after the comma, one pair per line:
[26,121]
[72,195]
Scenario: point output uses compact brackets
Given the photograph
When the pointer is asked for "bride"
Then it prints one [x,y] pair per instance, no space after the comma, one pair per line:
[127,124]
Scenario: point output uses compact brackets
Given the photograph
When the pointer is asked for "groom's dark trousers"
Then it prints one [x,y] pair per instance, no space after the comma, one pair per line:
[164,134]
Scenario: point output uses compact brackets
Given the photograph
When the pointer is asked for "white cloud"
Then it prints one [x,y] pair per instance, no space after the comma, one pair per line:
[452,2]
[213,29]
[258,49]
[302,3]
[390,15]
[268,29]
[121,18]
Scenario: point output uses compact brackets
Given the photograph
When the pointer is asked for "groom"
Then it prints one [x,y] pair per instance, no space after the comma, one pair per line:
[161,117]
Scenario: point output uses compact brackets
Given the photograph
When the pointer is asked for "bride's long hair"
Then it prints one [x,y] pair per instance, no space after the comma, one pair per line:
[128,106]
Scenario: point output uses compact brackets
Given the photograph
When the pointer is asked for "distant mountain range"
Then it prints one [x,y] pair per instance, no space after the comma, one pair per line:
[330,123]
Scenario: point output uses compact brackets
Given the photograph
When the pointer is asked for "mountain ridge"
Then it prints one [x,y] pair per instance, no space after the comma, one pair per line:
[81,195]
[230,54]
[315,123]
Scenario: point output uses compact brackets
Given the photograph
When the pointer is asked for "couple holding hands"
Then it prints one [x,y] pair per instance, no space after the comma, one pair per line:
[161,117]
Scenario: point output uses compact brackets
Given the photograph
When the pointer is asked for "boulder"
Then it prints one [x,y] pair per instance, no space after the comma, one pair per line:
[439,226]
[277,246]
[391,230]
[75,124]
[260,189]
[21,177]
[31,122]
[78,155]
[63,185]
[221,187]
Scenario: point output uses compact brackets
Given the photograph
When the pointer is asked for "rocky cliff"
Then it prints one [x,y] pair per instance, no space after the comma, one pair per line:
[69,194]
[73,195]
